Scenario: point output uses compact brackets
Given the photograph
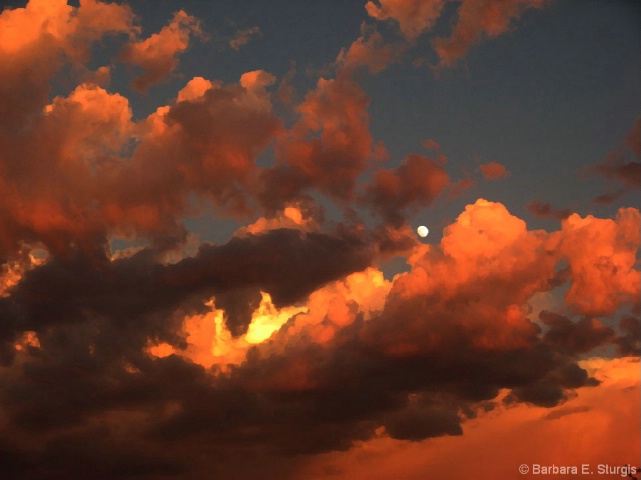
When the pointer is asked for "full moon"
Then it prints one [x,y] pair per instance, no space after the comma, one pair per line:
[422,231]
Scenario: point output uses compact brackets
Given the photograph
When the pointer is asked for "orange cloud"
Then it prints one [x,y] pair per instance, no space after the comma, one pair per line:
[486,245]
[588,429]
[294,216]
[287,339]
[413,16]
[460,186]
[157,55]
[210,343]
[370,51]
[195,89]
[332,360]
[80,180]
[75,147]
[493,170]
[217,132]
[416,182]
[12,271]
[326,149]
[49,34]
[601,255]
[67,27]
[340,302]
[475,20]
[431,144]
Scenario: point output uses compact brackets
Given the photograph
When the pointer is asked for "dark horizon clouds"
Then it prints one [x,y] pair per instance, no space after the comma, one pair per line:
[134,346]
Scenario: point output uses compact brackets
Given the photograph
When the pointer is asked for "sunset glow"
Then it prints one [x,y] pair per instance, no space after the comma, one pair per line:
[359,240]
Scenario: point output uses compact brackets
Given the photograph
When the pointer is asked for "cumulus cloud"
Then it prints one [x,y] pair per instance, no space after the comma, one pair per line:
[174,357]
[48,34]
[157,55]
[601,255]
[80,182]
[362,357]
[326,149]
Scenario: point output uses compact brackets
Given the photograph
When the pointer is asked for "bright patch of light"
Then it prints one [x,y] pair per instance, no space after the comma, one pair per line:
[267,319]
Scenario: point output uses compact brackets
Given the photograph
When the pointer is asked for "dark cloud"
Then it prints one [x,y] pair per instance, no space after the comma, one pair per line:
[620,166]
[326,150]
[285,263]
[630,342]
[238,306]
[545,210]
[416,423]
[432,356]
[575,337]
[416,182]
[555,415]
[608,198]
[86,391]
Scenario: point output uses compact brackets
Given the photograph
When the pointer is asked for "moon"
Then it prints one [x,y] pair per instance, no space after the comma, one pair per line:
[422,231]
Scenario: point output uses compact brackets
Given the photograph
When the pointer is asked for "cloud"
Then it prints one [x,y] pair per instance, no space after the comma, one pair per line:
[49,34]
[72,146]
[195,89]
[621,166]
[545,210]
[359,358]
[371,51]
[601,255]
[157,55]
[630,342]
[474,21]
[493,170]
[609,198]
[245,359]
[217,137]
[608,412]
[419,423]
[459,187]
[477,20]
[326,149]
[416,182]
[413,16]
[82,179]
[579,337]
[302,215]
[243,36]
[227,271]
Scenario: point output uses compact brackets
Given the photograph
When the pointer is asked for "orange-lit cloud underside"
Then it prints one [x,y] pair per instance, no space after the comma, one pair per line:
[599,426]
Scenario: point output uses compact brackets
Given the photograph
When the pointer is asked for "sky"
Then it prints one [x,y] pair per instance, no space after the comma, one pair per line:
[209,264]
